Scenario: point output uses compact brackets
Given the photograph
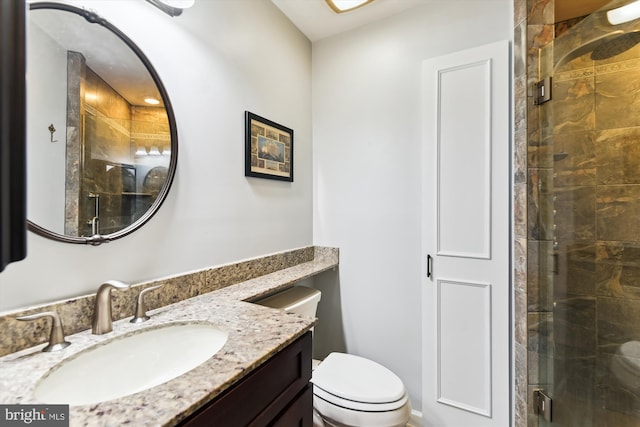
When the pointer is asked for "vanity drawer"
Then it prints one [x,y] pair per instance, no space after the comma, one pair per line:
[266,394]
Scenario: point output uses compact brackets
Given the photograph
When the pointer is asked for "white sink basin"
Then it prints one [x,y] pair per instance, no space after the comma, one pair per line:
[130,364]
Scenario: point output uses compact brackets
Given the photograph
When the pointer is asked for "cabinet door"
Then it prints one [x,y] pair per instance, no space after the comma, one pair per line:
[299,413]
[261,397]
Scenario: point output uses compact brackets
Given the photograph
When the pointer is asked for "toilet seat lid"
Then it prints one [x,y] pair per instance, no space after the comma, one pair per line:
[358,379]
[631,355]
[630,349]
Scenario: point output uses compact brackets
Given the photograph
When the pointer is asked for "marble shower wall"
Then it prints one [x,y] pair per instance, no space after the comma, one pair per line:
[525,53]
[76,71]
[582,276]
[108,121]
[520,212]
[595,121]
[533,29]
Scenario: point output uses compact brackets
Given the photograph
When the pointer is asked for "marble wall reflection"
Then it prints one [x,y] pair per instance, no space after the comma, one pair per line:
[107,136]
[103,158]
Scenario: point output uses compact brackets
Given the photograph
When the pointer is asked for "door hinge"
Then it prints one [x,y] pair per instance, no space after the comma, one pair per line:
[543,405]
[542,91]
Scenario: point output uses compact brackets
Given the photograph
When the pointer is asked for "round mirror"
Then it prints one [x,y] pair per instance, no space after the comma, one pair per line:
[101,134]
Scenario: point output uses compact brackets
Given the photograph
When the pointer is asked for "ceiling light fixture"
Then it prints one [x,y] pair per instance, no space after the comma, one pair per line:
[152,101]
[341,6]
[624,14]
[172,7]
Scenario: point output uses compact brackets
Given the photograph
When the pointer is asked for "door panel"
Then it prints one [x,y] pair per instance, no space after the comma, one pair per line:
[464,312]
[463,222]
[466,217]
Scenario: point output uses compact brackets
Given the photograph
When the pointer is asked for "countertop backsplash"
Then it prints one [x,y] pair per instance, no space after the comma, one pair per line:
[77,313]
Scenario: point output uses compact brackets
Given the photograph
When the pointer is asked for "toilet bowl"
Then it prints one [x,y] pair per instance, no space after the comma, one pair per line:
[625,365]
[348,390]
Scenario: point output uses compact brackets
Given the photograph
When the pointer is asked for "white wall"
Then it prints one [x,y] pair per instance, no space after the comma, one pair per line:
[47,77]
[366,147]
[216,60]
[226,56]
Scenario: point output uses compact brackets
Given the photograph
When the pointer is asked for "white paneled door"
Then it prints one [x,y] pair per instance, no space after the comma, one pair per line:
[466,234]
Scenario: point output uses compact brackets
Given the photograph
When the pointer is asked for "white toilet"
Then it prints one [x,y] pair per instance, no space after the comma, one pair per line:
[348,390]
[625,365]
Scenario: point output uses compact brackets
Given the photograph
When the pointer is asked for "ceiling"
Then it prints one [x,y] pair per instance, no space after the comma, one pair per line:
[106,54]
[317,21]
[313,17]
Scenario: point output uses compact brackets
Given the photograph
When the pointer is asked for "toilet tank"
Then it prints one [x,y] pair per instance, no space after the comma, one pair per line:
[297,299]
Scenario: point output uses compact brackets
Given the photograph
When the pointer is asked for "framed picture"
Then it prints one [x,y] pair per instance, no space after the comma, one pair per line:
[268,149]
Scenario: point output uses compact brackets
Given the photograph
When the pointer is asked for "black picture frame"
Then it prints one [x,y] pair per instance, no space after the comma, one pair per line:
[268,149]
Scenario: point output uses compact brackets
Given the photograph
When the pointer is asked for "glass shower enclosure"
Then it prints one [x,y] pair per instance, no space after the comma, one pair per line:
[586,308]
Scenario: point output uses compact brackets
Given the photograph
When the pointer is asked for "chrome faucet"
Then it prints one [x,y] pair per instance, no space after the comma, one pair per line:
[56,338]
[102,320]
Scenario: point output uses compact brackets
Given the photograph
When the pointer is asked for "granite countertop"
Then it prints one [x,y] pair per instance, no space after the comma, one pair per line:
[255,334]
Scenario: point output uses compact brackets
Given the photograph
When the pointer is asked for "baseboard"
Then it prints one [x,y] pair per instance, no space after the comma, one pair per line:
[415,420]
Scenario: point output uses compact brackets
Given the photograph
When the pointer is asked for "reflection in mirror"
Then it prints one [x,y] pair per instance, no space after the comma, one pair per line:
[101,134]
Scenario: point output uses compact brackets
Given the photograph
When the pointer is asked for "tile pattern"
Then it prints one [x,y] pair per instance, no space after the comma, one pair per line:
[583,237]
[533,207]
[75,104]
[150,127]
[598,201]
[520,208]
[109,125]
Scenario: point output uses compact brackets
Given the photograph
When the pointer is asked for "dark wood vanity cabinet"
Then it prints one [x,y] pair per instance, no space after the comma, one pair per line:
[277,393]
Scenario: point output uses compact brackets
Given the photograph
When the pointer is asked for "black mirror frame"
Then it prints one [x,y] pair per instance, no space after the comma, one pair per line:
[98,239]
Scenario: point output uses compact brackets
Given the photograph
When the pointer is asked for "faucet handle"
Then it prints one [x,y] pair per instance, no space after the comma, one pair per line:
[56,339]
[141,312]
